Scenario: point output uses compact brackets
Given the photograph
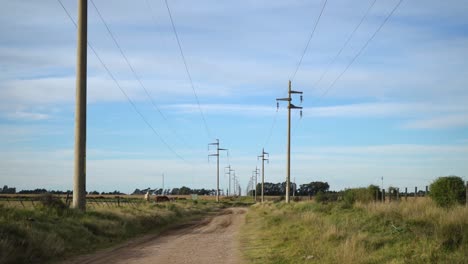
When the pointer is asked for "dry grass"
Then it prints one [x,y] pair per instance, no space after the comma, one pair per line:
[41,234]
[405,232]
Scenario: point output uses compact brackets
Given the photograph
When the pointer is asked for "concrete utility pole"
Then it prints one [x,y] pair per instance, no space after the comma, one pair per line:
[229,173]
[288,160]
[79,182]
[256,172]
[217,165]
[263,170]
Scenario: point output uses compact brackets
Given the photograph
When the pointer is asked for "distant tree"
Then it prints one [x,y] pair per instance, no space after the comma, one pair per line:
[137,192]
[8,190]
[185,190]
[94,193]
[35,191]
[174,191]
[313,188]
[448,191]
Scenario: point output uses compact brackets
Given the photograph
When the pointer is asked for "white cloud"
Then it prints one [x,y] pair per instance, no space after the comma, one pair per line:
[439,122]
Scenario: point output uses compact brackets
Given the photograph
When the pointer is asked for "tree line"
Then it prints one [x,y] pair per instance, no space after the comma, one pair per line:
[307,189]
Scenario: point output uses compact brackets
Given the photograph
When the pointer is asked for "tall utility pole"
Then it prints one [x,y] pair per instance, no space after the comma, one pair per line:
[79,178]
[255,172]
[229,173]
[263,169]
[217,165]
[162,184]
[288,160]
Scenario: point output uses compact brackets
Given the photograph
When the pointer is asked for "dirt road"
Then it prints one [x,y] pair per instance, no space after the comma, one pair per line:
[213,240]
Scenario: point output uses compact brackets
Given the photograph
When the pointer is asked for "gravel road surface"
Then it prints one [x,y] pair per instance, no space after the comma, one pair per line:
[212,240]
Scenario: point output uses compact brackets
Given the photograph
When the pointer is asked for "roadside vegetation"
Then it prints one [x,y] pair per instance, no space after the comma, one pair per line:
[52,231]
[349,231]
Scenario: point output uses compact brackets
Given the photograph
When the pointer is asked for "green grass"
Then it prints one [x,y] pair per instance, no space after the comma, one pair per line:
[45,234]
[306,232]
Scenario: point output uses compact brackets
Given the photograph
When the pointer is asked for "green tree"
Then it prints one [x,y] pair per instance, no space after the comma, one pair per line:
[448,191]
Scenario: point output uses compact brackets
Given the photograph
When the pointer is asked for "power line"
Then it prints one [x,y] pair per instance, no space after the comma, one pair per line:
[345,44]
[137,77]
[361,50]
[123,91]
[308,42]
[187,69]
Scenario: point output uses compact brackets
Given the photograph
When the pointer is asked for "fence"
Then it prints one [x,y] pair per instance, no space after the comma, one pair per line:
[394,194]
[33,201]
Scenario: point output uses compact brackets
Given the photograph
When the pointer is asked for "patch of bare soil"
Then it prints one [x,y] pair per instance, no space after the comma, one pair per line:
[212,240]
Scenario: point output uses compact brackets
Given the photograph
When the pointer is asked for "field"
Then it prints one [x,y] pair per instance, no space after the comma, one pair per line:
[41,233]
[309,232]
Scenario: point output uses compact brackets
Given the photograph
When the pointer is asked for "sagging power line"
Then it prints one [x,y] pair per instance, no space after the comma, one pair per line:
[187,69]
[123,91]
[327,68]
[308,43]
[135,74]
[360,51]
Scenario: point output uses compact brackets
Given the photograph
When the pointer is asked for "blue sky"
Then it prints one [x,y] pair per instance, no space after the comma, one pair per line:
[398,112]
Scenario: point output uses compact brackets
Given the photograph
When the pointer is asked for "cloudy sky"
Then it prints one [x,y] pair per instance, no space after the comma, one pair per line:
[385,99]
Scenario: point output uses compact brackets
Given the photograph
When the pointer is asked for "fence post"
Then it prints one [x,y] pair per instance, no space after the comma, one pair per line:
[415,192]
[383,195]
[406,193]
[427,191]
[398,194]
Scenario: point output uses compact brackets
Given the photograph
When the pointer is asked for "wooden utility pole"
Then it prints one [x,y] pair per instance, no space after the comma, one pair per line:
[288,159]
[79,178]
[263,170]
[217,165]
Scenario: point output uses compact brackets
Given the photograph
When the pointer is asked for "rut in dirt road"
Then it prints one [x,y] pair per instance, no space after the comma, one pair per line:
[213,240]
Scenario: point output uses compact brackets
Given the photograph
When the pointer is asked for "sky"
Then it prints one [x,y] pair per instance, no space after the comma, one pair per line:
[392,105]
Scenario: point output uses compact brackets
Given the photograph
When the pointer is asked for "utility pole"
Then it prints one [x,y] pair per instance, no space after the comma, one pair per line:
[263,169]
[79,178]
[217,165]
[229,173]
[255,172]
[294,187]
[288,159]
[162,183]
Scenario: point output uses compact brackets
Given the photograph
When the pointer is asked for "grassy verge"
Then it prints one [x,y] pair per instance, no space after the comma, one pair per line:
[306,232]
[44,233]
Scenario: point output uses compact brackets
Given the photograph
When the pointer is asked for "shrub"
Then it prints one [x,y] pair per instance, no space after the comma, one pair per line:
[448,191]
[363,195]
[48,200]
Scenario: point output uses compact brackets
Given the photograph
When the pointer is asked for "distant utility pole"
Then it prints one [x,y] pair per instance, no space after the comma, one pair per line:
[162,183]
[229,173]
[217,163]
[288,160]
[263,169]
[79,178]
[294,187]
[256,172]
